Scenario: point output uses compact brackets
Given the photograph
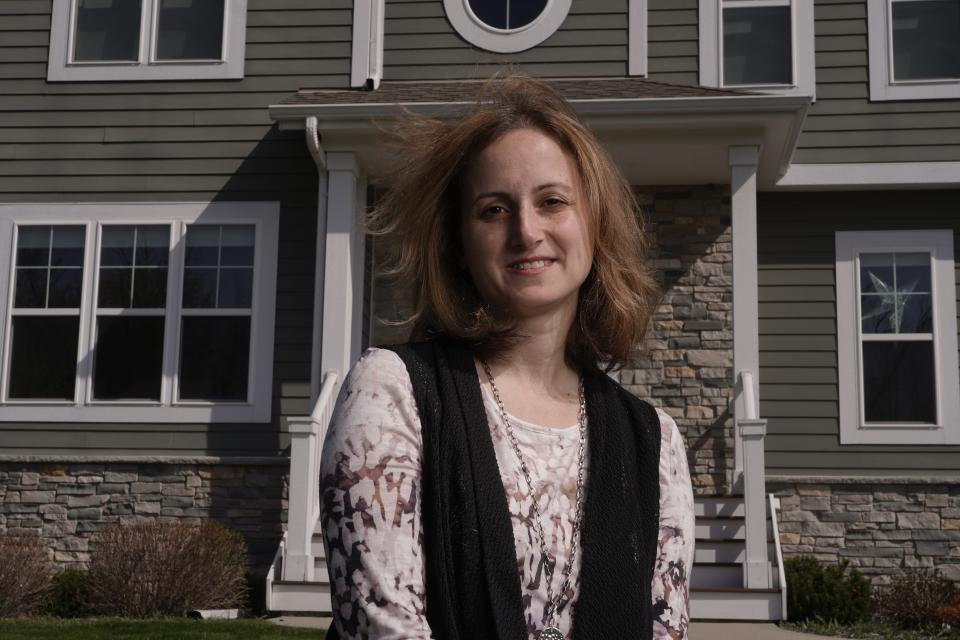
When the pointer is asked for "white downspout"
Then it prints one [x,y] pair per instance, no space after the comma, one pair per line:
[320,159]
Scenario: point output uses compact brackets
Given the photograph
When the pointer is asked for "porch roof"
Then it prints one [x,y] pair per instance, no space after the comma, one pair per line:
[659,133]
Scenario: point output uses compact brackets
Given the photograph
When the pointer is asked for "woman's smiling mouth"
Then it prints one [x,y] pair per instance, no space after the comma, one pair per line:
[531,265]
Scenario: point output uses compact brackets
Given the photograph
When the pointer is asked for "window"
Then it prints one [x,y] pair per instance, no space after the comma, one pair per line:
[914,49]
[506,26]
[147,40]
[897,338]
[149,312]
[762,45]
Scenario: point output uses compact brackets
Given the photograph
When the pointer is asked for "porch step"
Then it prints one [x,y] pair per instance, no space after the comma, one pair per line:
[734,604]
[301,597]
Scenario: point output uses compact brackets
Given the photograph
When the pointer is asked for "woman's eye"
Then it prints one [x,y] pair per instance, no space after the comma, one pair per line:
[553,202]
[493,210]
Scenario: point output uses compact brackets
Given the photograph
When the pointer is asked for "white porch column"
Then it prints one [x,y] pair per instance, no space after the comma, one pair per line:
[343,265]
[746,340]
[749,431]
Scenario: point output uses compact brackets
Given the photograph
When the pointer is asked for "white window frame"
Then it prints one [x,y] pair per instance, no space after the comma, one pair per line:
[853,427]
[264,216]
[62,68]
[882,84]
[482,35]
[801,24]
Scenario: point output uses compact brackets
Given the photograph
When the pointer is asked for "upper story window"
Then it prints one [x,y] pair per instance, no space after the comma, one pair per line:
[762,45]
[897,338]
[104,40]
[506,26]
[914,49]
[147,313]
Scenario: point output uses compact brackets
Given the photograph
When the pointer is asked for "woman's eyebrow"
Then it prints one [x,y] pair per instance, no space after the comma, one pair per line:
[505,195]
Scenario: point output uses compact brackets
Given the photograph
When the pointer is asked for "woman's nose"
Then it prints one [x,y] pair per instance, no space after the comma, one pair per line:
[526,231]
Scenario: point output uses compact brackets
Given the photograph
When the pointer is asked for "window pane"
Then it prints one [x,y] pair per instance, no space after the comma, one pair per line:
[916,313]
[65,287]
[236,288]
[203,245]
[153,245]
[490,12]
[190,30]
[237,246]
[898,382]
[214,358]
[913,272]
[878,313]
[128,358]
[33,246]
[107,30]
[114,288]
[926,40]
[150,288]
[67,250]
[757,46]
[200,288]
[43,360]
[31,289]
[116,246]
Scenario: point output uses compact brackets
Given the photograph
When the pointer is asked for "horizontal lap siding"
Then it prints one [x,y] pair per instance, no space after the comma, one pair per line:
[843,126]
[178,141]
[798,338]
[672,49]
[421,44]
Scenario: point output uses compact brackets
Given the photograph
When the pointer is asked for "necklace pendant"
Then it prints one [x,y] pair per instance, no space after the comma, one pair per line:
[550,633]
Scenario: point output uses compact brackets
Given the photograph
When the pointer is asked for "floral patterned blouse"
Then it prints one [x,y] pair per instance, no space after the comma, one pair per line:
[370,510]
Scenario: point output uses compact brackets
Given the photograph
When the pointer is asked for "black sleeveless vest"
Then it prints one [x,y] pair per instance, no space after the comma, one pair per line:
[472,584]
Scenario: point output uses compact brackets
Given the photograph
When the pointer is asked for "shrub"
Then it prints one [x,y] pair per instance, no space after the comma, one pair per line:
[950,613]
[911,601]
[155,569]
[832,593]
[25,571]
[70,595]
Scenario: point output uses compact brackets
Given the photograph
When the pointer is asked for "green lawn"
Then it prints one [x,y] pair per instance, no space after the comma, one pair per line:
[871,631]
[158,629]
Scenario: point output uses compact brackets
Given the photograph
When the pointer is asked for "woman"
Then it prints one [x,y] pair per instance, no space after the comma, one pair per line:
[491,481]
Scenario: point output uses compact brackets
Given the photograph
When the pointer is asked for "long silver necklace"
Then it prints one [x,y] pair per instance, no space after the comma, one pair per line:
[551,631]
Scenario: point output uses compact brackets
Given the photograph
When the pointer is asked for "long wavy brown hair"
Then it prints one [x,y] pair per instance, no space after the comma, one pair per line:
[420,213]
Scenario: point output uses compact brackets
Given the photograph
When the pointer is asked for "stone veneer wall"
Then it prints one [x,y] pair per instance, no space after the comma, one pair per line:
[688,366]
[66,504]
[883,527]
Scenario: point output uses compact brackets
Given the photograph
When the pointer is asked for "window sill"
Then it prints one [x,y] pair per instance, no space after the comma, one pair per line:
[209,413]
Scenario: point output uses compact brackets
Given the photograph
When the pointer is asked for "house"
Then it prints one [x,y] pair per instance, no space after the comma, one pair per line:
[183,283]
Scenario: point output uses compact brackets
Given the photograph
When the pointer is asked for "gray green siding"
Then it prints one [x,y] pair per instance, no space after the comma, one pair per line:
[178,141]
[844,126]
[672,41]
[420,44]
[798,328]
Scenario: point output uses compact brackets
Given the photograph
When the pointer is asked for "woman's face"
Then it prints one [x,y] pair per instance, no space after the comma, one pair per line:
[526,237]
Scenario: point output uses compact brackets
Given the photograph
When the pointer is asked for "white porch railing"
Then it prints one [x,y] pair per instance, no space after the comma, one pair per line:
[751,431]
[781,574]
[303,503]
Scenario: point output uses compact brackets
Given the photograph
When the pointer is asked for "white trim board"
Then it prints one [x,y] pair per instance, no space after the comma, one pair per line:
[874,174]
[854,427]
[882,83]
[264,216]
[62,68]
[482,35]
[802,32]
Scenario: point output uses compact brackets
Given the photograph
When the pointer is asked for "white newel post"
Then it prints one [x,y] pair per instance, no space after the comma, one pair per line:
[301,501]
[749,469]
[756,569]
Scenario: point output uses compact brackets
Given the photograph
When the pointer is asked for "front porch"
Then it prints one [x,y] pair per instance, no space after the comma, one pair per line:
[703,361]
